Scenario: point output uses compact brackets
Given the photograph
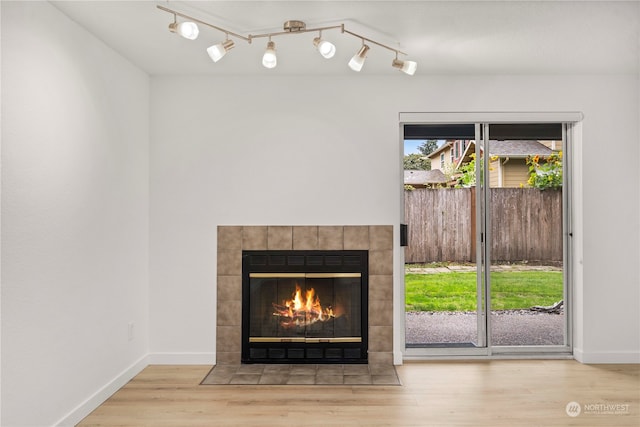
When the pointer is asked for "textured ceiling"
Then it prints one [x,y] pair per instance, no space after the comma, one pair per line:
[444,37]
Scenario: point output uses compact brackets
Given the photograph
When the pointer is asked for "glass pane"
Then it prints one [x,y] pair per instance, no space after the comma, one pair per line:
[440,259]
[268,314]
[526,242]
[309,308]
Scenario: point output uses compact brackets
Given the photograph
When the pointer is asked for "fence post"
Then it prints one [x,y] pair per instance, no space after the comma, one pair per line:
[472,213]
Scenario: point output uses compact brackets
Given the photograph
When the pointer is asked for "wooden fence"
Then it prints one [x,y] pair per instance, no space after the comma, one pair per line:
[526,225]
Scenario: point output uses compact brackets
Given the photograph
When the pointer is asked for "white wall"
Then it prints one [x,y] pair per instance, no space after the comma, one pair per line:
[231,156]
[74,217]
[0,230]
[321,150]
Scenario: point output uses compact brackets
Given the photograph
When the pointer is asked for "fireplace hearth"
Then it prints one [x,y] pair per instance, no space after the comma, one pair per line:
[304,306]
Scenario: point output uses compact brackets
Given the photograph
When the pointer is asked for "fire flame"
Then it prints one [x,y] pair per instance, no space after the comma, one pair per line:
[299,311]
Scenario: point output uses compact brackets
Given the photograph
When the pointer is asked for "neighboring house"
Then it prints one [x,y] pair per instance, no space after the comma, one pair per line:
[448,155]
[424,179]
[508,166]
[510,169]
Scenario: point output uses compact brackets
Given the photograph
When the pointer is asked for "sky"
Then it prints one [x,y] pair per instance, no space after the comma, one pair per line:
[411,146]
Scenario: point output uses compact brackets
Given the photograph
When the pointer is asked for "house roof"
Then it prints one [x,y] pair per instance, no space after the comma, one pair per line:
[443,147]
[424,177]
[508,148]
[518,148]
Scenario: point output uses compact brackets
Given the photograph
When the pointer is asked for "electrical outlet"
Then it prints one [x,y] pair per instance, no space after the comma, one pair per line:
[130,331]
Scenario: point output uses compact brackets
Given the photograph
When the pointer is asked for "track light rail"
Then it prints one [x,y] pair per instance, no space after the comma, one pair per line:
[291,27]
[373,41]
[306,30]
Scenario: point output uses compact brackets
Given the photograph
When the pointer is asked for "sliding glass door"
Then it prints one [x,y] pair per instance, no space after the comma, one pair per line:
[494,277]
[525,232]
[444,291]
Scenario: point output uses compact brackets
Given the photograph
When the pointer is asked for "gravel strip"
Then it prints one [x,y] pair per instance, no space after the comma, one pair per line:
[517,327]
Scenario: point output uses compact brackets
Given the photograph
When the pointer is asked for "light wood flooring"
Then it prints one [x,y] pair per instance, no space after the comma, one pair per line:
[477,393]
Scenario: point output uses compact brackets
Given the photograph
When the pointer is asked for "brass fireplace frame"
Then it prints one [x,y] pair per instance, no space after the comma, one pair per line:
[305,264]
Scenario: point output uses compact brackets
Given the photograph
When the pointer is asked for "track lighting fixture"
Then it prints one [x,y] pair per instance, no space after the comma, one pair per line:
[408,67]
[217,51]
[326,49]
[357,61]
[269,59]
[189,30]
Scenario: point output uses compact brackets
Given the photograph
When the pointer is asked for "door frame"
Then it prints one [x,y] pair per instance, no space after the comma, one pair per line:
[478,119]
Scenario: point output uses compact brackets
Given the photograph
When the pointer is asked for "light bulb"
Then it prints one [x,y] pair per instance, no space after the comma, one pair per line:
[188,30]
[357,61]
[326,49]
[217,51]
[408,67]
[269,59]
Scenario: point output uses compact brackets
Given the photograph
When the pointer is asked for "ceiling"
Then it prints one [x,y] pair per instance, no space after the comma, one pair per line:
[444,37]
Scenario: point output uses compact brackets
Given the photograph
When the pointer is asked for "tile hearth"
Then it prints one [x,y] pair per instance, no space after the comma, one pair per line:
[294,374]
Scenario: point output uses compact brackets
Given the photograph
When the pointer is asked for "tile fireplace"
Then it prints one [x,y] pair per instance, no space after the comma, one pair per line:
[286,329]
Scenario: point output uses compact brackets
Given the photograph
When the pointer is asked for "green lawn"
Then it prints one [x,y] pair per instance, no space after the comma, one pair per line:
[457,291]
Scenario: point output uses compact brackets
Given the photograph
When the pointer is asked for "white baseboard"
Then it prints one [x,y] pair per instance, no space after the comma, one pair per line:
[95,400]
[602,357]
[398,357]
[182,359]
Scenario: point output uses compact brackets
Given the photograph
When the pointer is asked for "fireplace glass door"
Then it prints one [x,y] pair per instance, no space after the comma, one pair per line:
[305,306]
[299,307]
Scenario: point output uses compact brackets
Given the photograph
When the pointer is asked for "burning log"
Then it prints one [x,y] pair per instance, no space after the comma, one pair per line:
[302,312]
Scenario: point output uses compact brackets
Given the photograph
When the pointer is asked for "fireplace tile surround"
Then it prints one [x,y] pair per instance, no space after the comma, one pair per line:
[232,240]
